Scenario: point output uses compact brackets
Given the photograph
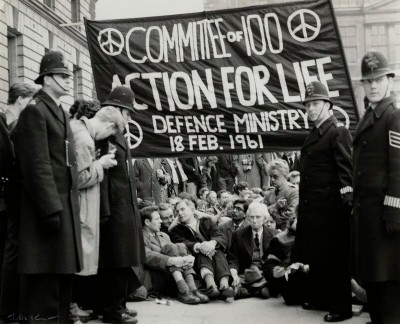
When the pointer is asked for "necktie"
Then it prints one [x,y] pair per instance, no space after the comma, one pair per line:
[257,240]
[158,239]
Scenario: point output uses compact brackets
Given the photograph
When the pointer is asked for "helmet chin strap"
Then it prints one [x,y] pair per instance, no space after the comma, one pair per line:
[58,83]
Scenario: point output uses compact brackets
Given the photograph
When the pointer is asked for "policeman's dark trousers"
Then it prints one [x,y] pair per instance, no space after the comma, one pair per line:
[45,298]
[115,284]
[3,234]
[384,302]
[330,288]
[9,296]
[226,183]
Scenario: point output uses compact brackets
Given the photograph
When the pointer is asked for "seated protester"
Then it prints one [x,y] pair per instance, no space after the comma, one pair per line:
[294,178]
[167,216]
[212,203]
[237,221]
[203,192]
[241,190]
[282,194]
[284,278]
[223,196]
[257,192]
[249,248]
[164,258]
[204,240]
[279,218]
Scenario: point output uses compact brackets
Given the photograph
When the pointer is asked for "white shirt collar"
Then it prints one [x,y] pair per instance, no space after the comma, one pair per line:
[260,231]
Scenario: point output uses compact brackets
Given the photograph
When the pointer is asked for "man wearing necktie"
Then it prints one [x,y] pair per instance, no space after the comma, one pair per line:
[376,157]
[323,228]
[249,248]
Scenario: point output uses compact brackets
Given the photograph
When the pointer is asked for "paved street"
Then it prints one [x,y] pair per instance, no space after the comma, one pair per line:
[246,311]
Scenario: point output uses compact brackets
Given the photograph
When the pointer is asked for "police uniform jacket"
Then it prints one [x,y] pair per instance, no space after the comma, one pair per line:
[45,155]
[323,228]
[376,159]
[121,236]
[288,191]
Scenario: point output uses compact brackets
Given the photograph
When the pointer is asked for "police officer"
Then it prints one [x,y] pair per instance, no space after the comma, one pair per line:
[376,159]
[121,235]
[323,228]
[49,250]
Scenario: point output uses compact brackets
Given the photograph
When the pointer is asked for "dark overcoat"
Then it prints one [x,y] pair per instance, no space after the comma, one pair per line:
[376,157]
[147,183]
[323,228]
[45,155]
[121,235]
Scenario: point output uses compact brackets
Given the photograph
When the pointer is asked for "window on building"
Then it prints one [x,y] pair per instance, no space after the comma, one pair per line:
[75,10]
[376,37]
[14,41]
[78,86]
[50,4]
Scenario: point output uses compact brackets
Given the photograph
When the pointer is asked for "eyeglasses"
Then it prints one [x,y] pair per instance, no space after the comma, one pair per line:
[238,208]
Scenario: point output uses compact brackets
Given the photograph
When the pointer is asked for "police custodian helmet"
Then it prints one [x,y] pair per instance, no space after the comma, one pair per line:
[53,62]
[316,91]
[374,65]
[122,97]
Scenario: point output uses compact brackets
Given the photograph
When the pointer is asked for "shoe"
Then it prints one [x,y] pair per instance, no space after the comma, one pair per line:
[130,312]
[213,292]
[87,318]
[119,319]
[203,298]
[188,298]
[264,293]
[335,317]
[241,293]
[227,292]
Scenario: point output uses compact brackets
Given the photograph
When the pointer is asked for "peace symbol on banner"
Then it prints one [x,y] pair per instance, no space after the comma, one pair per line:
[133,134]
[304,31]
[111,41]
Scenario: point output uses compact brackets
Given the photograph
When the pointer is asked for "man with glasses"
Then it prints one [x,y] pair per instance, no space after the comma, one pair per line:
[376,158]
[50,248]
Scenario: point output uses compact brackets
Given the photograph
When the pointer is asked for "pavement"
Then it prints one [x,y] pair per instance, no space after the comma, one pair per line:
[244,311]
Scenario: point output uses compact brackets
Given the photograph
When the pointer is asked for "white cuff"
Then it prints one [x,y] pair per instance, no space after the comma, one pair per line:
[392,201]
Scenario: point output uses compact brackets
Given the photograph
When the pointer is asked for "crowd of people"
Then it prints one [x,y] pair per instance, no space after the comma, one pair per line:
[85,228]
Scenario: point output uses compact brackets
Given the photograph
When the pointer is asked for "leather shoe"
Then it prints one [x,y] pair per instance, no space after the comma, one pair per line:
[212,292]
[130,312]
[203,298]
[188,298]
[335,317]
[119,319]
[227,292]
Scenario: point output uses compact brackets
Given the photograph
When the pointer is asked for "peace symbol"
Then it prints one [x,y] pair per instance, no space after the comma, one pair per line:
[111,41]
[133,140]
[304,32]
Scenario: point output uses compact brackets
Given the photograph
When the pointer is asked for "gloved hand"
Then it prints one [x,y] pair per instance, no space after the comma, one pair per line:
[51,223]
[392,227]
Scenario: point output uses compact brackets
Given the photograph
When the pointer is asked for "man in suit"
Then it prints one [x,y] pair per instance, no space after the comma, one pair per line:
[283,197]
[204,240]
[323,227]
[150,179]
[250,244]
[166,260]
[227,171]
[376,158]
[50,248]
[191,167]
[121,236]
[238,221]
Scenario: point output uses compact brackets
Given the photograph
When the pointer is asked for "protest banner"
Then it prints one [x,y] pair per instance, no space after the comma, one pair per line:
[227,81]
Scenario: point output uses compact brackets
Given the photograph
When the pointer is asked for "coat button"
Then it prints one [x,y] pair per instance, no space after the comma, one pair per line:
[359,173]
[365,143]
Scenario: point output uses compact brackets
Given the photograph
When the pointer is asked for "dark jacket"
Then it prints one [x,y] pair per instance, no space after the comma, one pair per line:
[226,166]
[121,236]
[192,170]
[241,251]
[183,234]
[376,159]
[323,227]
[45,155]
[146,179]
[6,159]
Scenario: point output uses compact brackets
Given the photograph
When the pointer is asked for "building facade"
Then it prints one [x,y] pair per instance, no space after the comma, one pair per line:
[363,25]
[30,28]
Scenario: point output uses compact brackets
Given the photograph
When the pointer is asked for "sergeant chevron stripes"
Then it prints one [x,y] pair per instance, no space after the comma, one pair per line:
[394,139]
[346,189]
[392,201]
